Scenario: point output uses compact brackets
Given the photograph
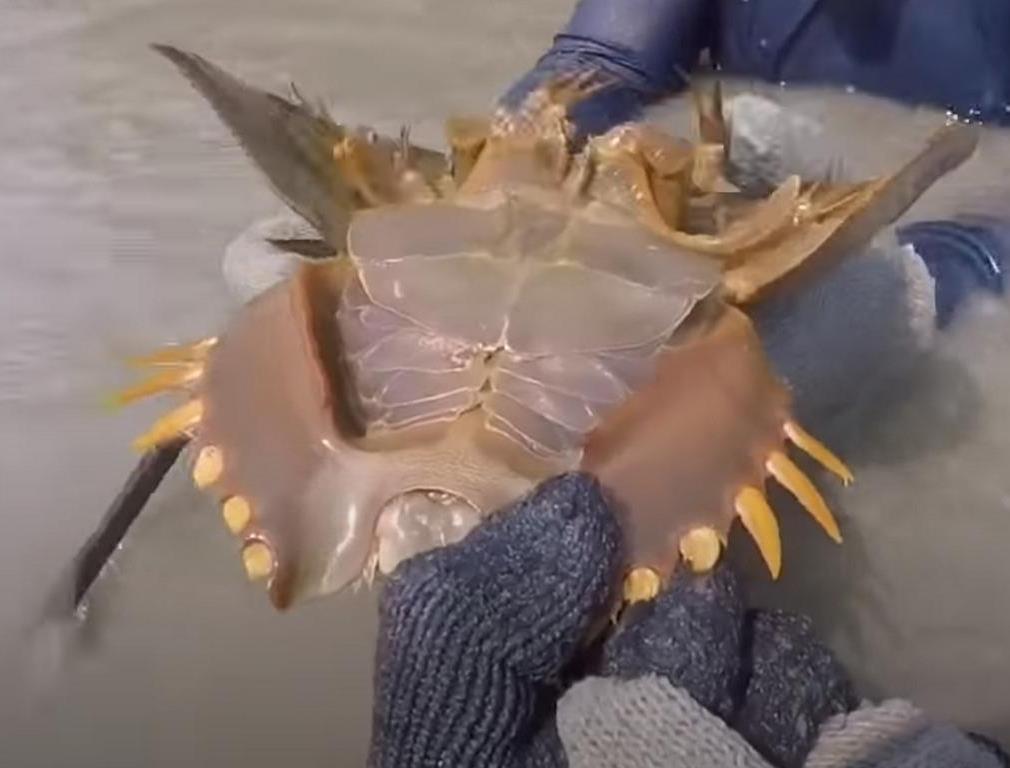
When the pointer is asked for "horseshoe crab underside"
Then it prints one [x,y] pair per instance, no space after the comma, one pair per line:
[513,309]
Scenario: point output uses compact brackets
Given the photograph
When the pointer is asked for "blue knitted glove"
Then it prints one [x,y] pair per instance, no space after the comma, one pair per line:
[474,637]
[478,641]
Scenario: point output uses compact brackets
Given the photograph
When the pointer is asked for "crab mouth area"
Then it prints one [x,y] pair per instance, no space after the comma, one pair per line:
[416,522]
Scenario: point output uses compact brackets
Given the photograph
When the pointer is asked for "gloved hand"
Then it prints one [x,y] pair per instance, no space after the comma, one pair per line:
[964,255]
[480,641]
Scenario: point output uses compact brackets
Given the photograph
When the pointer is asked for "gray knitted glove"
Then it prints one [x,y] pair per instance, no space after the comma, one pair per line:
[479,639]
[650,723]
[474,637]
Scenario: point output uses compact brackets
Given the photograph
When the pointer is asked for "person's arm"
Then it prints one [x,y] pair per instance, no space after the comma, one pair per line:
[649,46]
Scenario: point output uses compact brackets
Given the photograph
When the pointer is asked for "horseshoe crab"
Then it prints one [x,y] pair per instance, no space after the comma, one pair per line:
[521,306]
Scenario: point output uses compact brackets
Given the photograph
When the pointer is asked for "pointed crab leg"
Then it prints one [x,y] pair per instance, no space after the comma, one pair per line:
[842,224]
[165,381]
[171,426]
[799,485]
[180,354]
[759,519]
[818,451]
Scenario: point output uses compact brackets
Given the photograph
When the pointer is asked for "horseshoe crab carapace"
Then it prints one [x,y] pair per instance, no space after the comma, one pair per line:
[518,307]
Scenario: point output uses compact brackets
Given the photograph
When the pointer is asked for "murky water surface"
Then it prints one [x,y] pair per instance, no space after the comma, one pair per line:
[118,193]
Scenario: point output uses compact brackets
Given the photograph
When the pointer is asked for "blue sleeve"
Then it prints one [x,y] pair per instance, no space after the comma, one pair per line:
[944,53]
[648,45]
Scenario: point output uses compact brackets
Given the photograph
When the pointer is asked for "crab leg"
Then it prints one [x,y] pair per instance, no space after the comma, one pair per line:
[165,381]
[847,222]
[175,424]
[799,485]
[624,157]
[182,354]
[817,450]
[759,519]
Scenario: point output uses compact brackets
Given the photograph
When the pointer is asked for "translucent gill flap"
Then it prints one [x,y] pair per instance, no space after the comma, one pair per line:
[572,412]
[568,308]
[583,376]
[418,412]
[533,430]
[377,340]
[636,255]
[461,297]
[405,387]
[396,232]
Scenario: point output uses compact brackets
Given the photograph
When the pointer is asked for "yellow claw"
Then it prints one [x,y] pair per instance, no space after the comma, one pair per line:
[759,520]
[811,445]
[258,559]
[799,485]
[641,585]
[237,513]
[175,378]
[208,467]
[701,548]
[171,426]
[180,354]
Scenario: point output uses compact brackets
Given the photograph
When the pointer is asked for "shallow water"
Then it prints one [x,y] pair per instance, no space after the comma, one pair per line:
[118,193]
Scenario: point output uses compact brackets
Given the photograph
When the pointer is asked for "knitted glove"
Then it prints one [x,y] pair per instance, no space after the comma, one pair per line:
[963,255]
[765,674]
[479,640]
[650,723]
[476,639]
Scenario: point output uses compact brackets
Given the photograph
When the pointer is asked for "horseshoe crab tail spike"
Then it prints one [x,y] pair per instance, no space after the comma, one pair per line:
[170,426]
[174,378]
[811,445]
[799,485]
[759,520]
